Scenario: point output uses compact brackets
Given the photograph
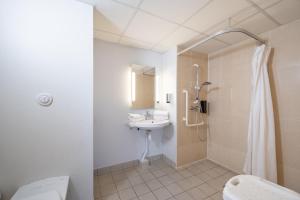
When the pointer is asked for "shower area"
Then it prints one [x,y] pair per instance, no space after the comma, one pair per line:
[214,99]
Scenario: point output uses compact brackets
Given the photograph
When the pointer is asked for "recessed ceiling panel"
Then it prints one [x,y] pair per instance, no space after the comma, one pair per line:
[210,46]
[135,43]
[174,10]
[285,11]
[265,3]
[106,36]
[215,12]
[180,36]
[133,3]
[111,16]
[257,24]
[162,24]
[148,28]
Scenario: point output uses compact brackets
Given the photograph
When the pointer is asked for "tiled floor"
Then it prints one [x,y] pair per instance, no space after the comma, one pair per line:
[201,181]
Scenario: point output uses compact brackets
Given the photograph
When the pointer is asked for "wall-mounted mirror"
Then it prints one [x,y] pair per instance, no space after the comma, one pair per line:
[143,86]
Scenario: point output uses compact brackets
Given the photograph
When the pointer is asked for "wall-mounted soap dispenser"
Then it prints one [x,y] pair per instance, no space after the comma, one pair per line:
[168,97]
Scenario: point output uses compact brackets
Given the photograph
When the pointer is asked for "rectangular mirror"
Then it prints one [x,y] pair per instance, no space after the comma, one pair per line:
[143,87]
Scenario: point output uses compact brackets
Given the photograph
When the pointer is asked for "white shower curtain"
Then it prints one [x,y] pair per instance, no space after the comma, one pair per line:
[261,152]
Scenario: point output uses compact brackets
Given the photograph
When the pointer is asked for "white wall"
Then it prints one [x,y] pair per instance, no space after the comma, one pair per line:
[46,46]
[169,74]
[114,142]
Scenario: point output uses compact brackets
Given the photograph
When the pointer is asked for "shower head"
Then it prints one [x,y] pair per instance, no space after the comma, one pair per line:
[196,65]
[206,83]
[197,100]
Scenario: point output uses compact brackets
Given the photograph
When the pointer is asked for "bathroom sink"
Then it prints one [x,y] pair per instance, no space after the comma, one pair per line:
[150,124]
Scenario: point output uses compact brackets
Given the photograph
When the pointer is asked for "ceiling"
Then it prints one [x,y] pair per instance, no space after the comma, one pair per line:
[159,25]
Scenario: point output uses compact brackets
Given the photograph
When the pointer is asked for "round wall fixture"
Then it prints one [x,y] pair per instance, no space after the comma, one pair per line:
[44,99]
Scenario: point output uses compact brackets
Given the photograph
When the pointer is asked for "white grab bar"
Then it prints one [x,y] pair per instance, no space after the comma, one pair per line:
[186,118]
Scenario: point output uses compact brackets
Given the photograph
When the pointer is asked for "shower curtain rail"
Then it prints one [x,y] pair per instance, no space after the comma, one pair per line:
[224,31]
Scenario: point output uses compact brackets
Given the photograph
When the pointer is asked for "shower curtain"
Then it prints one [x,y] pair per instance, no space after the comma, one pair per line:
[261,151]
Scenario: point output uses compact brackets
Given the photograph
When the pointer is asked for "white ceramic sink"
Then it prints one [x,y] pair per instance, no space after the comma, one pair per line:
[150,124]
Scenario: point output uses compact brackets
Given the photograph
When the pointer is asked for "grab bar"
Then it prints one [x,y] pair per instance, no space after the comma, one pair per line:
[186,118]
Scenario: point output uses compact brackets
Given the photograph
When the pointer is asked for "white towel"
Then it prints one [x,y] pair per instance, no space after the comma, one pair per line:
[135,117]
[160,115]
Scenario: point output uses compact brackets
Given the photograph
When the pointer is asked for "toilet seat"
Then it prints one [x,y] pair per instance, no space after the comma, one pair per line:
[54,188]
[247,187]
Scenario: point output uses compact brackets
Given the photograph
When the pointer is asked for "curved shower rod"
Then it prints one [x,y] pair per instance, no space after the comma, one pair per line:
[227,30]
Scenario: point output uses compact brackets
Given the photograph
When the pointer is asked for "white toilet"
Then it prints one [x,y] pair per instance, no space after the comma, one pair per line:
[55,188]
[247,187]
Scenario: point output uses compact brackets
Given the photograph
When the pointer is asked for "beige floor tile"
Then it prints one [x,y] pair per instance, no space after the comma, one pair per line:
[134,180]
[147,176]
[162,194]
[172,198]
[183,196]
[195,181]
[97,192]
[176,176]
[123,184]
[207,189]
[148,196]
[212,173]
[158,173]
[197,194]
[174,189]
[168,170]
[165,180]
[185,173]
[114,196]
[209,163]
[204,177]
[119,176]
[217,196]
[221,170]
[184,184]
[105,179]
[202,180]
[108,189]
[216,183]
[131,173]
[127,194]
[195,169]
[204,167]
[153,168]
[154,184]
[143,169]
[141,189]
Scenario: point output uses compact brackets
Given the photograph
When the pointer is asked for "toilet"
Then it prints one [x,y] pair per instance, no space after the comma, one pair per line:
[248,187]
[54,188]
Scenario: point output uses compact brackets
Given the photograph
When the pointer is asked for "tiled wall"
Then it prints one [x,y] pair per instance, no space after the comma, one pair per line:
[191,141]
[229,98]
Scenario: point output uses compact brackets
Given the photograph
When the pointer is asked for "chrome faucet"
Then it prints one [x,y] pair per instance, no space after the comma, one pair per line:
[148,115]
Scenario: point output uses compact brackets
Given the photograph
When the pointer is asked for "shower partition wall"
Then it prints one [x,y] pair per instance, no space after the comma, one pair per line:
[191,141]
